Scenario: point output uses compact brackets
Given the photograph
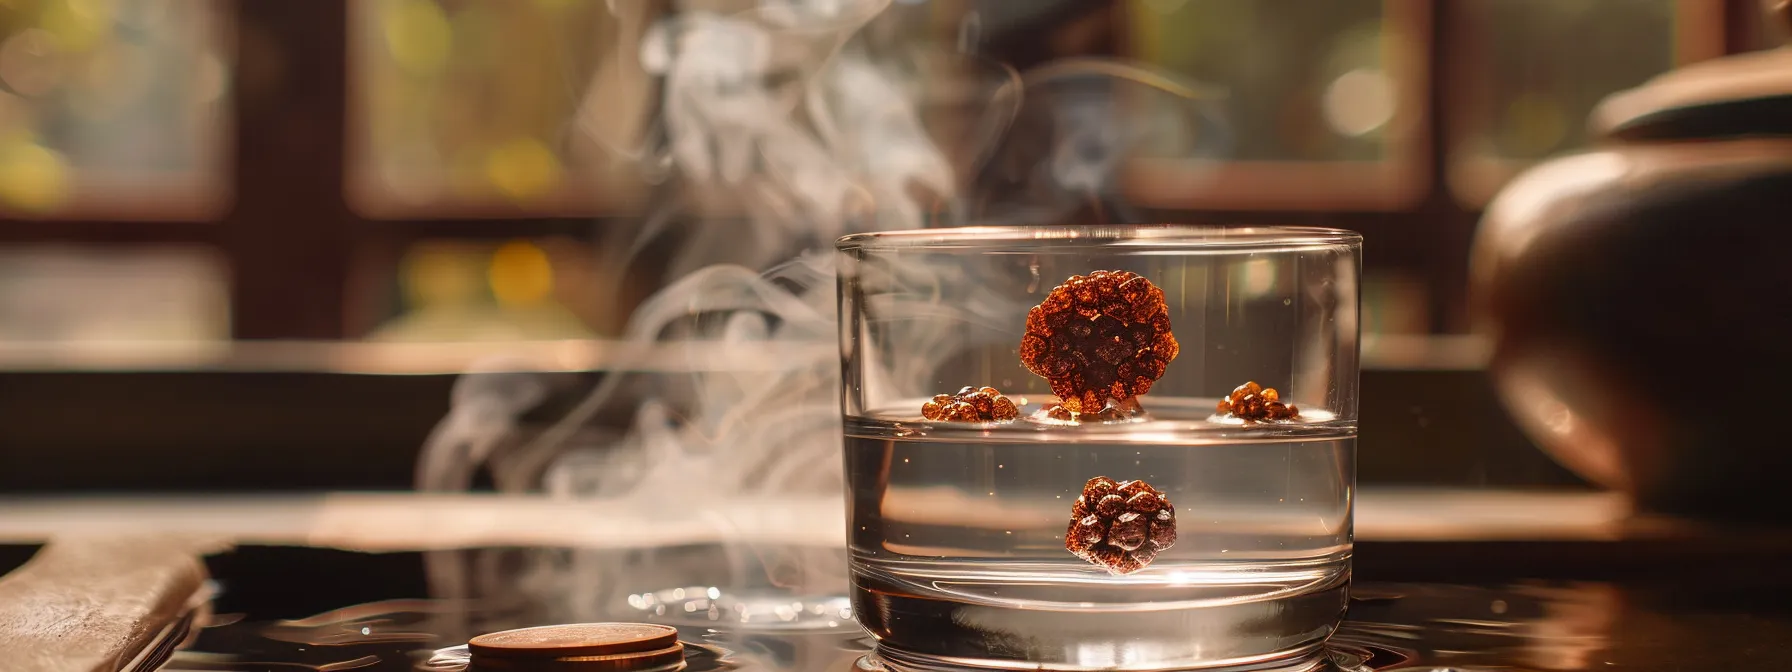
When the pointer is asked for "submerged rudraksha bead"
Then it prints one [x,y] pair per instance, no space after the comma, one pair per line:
[1099,338]
[970,404]
[1120,526]
[1255,403]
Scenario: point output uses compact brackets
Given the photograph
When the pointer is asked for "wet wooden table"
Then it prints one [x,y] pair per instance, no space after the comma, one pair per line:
[1445,579]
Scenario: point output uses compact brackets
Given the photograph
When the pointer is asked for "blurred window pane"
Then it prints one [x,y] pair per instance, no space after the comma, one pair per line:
[113,109]
[1530,71]
[518,290]
[71,295]
[473,107]
[1306,80]
[1394,302]
[1320,99]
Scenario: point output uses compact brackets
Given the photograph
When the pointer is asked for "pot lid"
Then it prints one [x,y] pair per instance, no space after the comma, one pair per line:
[1741,95]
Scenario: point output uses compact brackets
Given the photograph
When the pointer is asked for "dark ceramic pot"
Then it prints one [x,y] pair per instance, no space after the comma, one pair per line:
[1639,295]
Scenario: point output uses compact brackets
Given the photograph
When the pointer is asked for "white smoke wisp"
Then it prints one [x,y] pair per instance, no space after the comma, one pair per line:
[774,114]
[755,105]
[738,432]
[802,133]
[778,113]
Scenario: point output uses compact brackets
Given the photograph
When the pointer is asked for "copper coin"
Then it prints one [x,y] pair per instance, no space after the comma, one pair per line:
[574,640]
[668,659]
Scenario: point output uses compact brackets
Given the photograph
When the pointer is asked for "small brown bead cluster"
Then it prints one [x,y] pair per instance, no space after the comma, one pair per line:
[1120,526]
[1255,403]
[971,404]
[1114,411]
[1099,338]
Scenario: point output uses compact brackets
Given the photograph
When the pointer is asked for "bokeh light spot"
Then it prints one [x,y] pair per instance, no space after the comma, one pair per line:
[33,177]
[523,168]
[520,274]
[1259,277]
[439,276]
[1359,102]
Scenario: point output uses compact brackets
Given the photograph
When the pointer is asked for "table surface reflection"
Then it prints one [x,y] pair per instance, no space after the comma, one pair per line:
[282,608]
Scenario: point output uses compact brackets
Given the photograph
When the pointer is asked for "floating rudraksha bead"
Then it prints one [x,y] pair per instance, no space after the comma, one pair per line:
[970,404]
[1120,526]
[1099,338]
[1255,403]
[1115,411]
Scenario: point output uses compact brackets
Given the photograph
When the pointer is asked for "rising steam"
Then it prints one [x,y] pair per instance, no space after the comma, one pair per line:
[799,121]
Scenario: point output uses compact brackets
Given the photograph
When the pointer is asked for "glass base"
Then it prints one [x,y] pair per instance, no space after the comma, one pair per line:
[1309,658]
[1181,617]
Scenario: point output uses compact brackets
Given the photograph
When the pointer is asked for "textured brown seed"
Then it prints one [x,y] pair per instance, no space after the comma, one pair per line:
[1129,531]
[1110,506]
[1249,407]
[935,408]
[1005,409]
[1056,412]
[1114,411]
[1121,561]
[1163,529]
[1099,338]
[1120,526]
[1099,487]
[970,404]
[1254,403]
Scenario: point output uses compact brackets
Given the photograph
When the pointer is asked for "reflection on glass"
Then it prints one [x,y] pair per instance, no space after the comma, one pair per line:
[488,291]
[1532,70]
[1305,81]
[111,106]
[459,102]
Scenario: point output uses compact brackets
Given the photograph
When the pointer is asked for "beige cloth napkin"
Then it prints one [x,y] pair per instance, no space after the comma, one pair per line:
[96,605]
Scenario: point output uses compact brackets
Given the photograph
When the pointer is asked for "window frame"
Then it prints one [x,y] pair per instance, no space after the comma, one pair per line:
[300,251]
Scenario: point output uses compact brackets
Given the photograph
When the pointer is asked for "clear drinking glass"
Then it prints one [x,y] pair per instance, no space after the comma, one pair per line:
[957,537]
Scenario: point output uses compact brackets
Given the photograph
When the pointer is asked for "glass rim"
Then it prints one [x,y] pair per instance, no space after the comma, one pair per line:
[1189,236]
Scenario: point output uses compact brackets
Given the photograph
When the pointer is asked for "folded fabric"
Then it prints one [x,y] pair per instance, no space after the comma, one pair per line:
[97,605]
